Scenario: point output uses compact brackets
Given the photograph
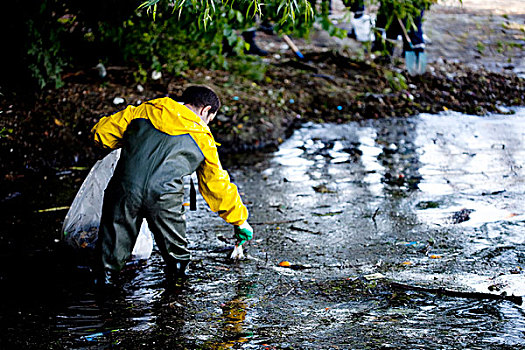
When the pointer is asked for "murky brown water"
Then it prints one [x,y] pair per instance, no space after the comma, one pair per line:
[433,201]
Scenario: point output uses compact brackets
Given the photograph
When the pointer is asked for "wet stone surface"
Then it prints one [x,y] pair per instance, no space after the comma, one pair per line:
[351,208]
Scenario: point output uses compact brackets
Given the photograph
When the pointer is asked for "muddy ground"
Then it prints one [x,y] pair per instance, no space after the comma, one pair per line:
[477,60]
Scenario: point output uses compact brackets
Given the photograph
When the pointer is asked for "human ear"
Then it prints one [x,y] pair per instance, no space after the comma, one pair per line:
[205,114]
[205,111]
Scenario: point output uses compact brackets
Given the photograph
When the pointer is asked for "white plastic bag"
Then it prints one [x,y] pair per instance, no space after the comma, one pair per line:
[363,28]
[144,244]
[80,228]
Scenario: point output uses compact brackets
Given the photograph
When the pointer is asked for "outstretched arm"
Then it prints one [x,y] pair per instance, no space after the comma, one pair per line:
[219,192]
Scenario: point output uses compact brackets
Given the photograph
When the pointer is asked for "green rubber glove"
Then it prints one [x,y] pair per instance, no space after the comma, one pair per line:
[243,232]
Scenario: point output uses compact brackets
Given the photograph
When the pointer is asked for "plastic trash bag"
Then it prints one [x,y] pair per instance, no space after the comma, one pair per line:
[80,228]
[144,244]
[363,28]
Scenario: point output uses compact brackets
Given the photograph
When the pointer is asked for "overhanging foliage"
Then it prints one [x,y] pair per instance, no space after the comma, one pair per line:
[51,36]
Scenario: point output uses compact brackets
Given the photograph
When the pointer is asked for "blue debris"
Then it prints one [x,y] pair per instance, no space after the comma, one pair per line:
[94,336]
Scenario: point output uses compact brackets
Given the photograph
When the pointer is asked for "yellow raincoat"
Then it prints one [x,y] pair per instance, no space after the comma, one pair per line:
[173,118]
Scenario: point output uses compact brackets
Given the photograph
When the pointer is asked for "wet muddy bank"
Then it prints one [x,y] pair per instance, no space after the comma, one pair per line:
[53,130]
[45,144]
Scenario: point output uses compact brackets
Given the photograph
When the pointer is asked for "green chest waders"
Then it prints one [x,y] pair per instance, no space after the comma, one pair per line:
[148,183]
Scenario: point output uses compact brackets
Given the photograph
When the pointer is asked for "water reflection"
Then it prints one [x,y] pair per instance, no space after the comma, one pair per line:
[417,174]
[453,160]
[339,202]
[235,322]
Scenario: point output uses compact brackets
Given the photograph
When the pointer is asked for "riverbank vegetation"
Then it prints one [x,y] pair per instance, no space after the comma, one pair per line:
[72,63]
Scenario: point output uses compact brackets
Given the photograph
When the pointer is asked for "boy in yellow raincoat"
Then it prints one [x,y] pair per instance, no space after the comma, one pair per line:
[162,141]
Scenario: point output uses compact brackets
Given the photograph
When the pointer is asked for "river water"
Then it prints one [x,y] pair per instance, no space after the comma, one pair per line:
[432,201]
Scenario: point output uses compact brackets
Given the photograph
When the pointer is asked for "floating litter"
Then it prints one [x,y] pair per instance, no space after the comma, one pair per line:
[156,75]
[374,276]
[118,100]
[94,336]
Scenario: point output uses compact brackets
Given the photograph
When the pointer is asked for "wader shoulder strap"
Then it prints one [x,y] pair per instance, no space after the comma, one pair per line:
[193,196]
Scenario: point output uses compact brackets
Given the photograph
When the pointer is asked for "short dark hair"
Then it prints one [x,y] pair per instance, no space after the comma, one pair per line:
[201,96]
